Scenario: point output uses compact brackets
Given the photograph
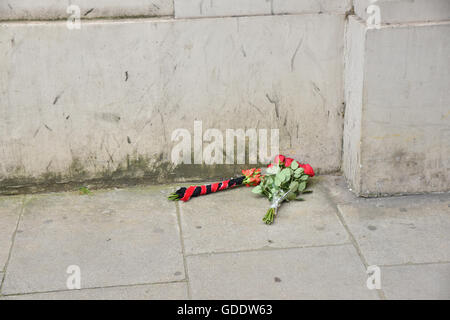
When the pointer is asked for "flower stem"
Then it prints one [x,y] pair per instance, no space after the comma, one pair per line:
[272,212]
[268,218]
[173,197]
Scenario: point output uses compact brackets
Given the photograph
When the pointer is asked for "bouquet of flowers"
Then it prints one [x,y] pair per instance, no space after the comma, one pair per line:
[284,180]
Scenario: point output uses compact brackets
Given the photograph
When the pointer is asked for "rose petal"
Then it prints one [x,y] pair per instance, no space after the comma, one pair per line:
[288,162]
[308,169]
[279,158]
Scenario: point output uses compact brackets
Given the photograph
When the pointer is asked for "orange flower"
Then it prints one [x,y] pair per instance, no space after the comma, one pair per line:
[254,181]
[252,177]
[249,172]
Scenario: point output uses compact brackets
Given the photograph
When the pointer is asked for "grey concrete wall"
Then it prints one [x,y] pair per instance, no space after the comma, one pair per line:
[56,9]
[397,80]
[353,83]
[401,11]
[102,102]
[217,8]
[397,127]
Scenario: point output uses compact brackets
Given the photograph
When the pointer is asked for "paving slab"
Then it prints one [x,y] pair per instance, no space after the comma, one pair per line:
[170,291]
[333,272]
[426,281]
[338,189]
[9,214]
[400,230]
[232,221]
[116,237]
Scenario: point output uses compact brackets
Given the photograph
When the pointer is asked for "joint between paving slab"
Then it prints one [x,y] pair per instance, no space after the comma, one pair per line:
[13,238]
[268,249]
[94,288]
[413,264]
[183,252]
[356,246]
[352,238]
[344,224]
[2,275]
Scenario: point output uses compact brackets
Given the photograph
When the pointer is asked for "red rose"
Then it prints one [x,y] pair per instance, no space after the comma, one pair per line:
[279,158]
[288,162]
[308,169]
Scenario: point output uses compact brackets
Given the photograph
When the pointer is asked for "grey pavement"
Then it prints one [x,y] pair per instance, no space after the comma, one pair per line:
[134,244]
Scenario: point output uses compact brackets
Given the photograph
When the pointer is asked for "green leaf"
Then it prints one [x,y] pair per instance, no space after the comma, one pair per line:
[291,196]
[286,174]
[273,170]
[294,165]
[300,170]
[304,177]
[85,191]
[257,190]
[302,186]
[293,186]
[278,180]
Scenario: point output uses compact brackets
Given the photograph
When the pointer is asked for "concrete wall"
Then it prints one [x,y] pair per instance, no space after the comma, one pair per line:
[57,9]
[353,81]
[397,122]
[217,8]
[101,103]
[401,11]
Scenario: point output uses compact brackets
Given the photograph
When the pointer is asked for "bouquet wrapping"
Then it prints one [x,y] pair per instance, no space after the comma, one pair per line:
[283,180]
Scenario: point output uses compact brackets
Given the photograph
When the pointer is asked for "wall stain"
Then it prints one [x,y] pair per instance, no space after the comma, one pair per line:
[56,98]
[295,54]
[133,170]
[275,103]
[108,117]
[89,11]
